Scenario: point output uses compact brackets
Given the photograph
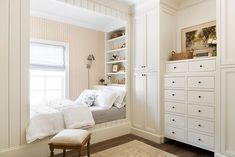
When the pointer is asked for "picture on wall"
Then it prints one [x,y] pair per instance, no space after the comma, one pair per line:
[200,39]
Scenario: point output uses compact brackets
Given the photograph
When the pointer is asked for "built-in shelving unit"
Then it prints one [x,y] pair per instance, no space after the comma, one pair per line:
[116,56]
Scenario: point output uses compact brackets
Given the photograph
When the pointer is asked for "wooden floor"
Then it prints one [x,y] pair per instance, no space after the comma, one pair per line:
[174,147]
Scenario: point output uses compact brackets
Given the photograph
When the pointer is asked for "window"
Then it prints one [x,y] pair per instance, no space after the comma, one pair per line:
[47,72]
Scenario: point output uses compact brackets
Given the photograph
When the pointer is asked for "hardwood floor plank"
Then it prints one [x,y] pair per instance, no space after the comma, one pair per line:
[174,147]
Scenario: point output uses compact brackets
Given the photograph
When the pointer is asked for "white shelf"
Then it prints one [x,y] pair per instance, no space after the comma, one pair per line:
[118,73]
[116,50]
[118,38]
[117,61]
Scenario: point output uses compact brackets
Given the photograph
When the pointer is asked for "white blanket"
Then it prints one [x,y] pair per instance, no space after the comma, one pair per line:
[49,119]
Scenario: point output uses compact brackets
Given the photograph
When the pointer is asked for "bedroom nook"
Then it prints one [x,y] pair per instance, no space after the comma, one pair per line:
[117,78]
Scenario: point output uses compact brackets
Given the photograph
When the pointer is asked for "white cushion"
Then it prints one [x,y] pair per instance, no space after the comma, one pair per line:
[70,136]
[78,117]
[120,99]
[105,99]
[87,97]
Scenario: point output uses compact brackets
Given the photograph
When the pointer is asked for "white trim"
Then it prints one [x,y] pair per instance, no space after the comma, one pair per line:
[147,135]
[66,46]
[219,155]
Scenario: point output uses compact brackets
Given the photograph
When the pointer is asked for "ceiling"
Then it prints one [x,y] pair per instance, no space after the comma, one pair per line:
[130,2]
[58,11]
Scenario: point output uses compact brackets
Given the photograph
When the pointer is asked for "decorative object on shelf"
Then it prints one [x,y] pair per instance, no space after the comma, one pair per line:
[109,79]
[115,57]
[122,68]
[200,38]
[90,59]
[115,68]
[117,34]
[181,55]
[102,81]
[123,45]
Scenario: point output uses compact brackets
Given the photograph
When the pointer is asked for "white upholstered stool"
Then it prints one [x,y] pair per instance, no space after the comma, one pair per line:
[71,139]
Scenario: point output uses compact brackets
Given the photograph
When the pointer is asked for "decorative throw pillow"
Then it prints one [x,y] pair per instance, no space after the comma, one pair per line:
[105,99]
[120,93]
[87,97]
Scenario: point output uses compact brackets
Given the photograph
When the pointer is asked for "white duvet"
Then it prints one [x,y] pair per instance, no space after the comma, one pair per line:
[47,120]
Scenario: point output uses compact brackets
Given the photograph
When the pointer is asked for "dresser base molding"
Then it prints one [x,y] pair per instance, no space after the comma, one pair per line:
[219,155]
[147,135]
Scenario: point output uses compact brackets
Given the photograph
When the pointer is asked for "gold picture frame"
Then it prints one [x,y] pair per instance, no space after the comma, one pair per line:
[201,39]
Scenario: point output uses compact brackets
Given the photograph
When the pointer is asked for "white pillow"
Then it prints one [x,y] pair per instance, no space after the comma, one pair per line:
[87,97]
[121,94]
[120,99]
[105,99]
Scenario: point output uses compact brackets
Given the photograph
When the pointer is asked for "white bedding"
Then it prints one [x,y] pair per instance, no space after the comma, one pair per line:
[49,119]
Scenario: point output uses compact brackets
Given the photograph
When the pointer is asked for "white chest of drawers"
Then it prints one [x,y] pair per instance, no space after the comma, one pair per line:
[190,101]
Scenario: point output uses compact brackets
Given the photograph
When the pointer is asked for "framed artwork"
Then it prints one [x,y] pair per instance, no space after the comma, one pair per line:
[201,39]
[115,68]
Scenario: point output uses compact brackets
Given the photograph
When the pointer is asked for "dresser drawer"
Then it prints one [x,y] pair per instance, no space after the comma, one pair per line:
[201,111]
[202,66]
[201,125]
[174,82]
[201,82]
[175,107]
[199,97]
[176,67]
[200,139]
[178,121]
[174,95]
[175,133]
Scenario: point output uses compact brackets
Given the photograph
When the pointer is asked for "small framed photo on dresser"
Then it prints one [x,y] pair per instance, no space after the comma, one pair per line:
[115,68]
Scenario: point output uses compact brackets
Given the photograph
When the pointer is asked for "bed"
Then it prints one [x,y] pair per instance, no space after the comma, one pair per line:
[106,115]
[50,118]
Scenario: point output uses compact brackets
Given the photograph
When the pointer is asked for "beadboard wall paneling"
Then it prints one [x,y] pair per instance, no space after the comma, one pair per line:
[14,74]
[4,16]
[13,69]
[82,42]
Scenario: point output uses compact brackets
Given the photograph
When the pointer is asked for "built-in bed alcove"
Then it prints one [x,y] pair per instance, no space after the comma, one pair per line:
[93,52]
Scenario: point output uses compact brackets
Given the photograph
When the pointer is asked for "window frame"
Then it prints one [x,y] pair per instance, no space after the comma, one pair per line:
[66,59]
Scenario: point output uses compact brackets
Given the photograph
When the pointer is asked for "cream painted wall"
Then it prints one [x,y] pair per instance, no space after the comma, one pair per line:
[196,14]
[82,42]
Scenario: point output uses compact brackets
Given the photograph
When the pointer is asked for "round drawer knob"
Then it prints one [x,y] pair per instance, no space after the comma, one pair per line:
[173,107]
[173,81]
[173,132]
[199,125]
[199,111]
[174,67]
[199,97]
[199,139]
[173,94]
[173,120]
[199,82]
[201,66]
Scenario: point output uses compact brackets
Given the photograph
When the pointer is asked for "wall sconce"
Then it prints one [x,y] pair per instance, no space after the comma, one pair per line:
[90,58]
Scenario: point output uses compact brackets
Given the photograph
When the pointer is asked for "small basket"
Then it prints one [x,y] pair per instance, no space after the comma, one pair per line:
[181,55]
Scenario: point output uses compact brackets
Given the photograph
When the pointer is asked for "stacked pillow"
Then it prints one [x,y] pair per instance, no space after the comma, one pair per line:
[104,98]
[87,97]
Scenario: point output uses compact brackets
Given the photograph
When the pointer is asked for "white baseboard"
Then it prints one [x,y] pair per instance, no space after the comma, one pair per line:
[219,155]
[40,148]
[149,136]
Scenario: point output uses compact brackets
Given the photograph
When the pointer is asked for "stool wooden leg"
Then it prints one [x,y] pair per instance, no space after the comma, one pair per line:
[64,152]
[52,151]
[80,153]
[88,147]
